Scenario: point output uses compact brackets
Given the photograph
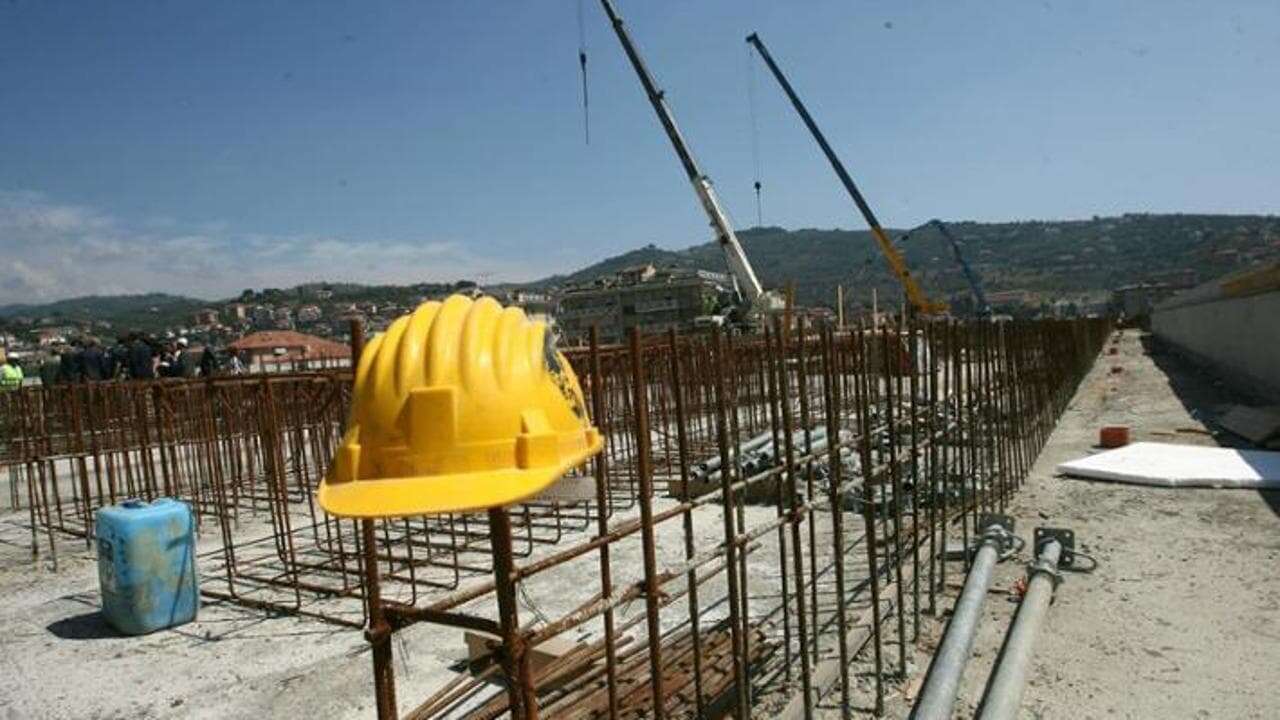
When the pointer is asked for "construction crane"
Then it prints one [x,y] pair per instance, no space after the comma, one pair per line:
[975,284]
[753,298]
[920,302]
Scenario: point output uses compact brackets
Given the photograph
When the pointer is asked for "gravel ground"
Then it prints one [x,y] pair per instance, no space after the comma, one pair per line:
[1181,619]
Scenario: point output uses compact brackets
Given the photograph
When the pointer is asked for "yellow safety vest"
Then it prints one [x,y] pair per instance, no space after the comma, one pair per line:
[10,377]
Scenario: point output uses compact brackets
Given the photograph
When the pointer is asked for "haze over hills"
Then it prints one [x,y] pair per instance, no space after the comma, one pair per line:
[1069,259]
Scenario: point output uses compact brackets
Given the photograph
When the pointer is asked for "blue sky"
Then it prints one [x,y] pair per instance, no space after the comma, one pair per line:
[203,147]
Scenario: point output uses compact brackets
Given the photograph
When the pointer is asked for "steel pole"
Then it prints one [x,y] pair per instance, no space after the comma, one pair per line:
[943,682]
[1004,692]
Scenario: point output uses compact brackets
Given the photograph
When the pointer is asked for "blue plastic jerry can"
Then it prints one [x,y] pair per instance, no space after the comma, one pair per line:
[147,565]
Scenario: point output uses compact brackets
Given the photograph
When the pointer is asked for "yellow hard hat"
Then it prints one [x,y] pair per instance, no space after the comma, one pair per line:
[462,405]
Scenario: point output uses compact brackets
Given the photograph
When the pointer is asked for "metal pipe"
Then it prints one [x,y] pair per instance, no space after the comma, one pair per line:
[1004,691]
[943,682]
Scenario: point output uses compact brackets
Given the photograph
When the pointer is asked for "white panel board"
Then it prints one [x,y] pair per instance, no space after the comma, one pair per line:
[1170,465]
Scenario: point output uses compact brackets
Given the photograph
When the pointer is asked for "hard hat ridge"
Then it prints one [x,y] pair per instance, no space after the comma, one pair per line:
[461,405]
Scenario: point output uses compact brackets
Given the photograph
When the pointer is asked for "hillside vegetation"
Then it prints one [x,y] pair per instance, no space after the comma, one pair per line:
[149,311]
[1072,260]
[1068,259]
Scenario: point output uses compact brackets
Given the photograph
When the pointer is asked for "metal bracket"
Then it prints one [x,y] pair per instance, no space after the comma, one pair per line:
[1066,538]
[998,527]
[986,520]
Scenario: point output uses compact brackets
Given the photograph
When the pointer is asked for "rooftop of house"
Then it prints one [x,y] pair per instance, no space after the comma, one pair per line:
[271,339]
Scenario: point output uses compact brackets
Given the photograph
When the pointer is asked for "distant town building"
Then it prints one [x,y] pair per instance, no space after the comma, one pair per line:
[284,350]
[262,316]
[52,336]
[283,317]
[537,306]
[309,313]
[239,311]
[642,296]
[207,316]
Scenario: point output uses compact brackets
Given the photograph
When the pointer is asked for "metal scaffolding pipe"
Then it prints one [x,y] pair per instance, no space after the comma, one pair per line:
[943,682]
[1004,692]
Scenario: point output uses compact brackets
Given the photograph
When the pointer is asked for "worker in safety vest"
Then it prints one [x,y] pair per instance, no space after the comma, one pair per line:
[10,373]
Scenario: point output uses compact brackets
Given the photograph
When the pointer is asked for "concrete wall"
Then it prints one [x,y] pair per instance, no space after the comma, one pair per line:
[1232,324]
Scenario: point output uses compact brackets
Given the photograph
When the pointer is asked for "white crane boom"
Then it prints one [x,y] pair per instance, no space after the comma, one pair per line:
[739,266]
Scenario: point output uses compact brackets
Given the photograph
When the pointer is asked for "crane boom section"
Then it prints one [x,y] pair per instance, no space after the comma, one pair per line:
[915,294]
[975,284]
[735,257]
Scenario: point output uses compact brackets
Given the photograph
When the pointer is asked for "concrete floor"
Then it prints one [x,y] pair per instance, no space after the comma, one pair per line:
[1182,617]
[63,660]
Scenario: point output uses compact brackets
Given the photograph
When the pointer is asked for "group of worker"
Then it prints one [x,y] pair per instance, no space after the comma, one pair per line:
[134,356]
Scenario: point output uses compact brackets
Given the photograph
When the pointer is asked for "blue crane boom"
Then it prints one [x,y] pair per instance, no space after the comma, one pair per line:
[975,284]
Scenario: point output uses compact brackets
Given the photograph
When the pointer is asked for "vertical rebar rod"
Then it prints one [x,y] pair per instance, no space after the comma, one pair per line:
[913,368]
[682,447]
[775,412]
[797,549]
[802,386]
[602,524]
[862,391]
[640,406]
[737,627]
[835,491]
[889,347]
[521,692]
[378,633]
[735,474]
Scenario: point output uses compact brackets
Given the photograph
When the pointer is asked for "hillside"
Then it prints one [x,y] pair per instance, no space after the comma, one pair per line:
[150,311]
[647,255]
[1081,258]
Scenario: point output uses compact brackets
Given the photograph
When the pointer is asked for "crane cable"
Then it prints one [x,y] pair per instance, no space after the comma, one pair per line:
[582,64]
[755,133]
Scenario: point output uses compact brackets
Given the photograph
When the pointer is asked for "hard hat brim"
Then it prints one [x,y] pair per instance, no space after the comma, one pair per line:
[454,493]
